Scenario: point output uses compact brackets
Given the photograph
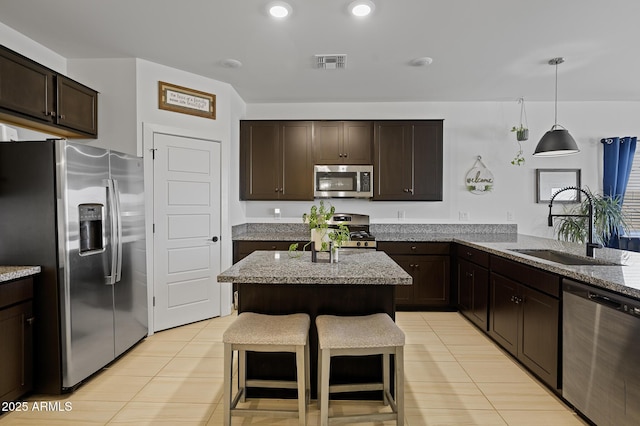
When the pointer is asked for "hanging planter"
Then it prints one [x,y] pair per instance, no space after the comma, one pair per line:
[522,134]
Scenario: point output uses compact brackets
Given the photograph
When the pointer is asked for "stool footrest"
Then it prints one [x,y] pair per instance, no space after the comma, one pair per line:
[356,387]
[247,412]
[275,384]
[360,418]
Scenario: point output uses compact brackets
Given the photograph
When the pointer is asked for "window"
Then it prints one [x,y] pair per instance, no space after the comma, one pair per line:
[631,204]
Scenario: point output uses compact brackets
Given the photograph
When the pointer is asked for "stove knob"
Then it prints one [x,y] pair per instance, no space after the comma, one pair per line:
[366,244]
[358,243]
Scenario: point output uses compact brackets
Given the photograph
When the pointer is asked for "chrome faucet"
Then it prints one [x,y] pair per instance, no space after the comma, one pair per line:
[590,243]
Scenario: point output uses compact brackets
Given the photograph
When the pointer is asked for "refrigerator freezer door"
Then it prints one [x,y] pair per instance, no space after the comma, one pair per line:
[130,289]
[86,299]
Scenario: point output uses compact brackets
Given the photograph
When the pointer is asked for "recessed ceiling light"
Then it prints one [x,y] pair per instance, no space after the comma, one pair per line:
[279,9]
[361,8]
[421,62]
[231,63]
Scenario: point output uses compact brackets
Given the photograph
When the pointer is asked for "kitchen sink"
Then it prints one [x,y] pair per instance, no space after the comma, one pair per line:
[564,258]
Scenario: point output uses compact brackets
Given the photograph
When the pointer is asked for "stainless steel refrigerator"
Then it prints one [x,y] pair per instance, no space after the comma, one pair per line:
[78,212]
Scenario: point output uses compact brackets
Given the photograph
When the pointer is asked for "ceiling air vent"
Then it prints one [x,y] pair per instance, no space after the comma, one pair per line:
[331,62]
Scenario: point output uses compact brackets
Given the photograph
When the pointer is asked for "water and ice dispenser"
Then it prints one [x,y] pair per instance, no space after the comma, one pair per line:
[90,216]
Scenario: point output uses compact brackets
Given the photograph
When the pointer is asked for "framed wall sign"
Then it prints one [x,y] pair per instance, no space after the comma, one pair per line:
[186,101]
[550,181]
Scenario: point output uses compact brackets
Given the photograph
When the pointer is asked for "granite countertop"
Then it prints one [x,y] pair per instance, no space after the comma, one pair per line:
[8,273]
[354,267]
[623,278]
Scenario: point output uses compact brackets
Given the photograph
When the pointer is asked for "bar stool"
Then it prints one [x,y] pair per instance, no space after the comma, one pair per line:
[358,336]
[266,333]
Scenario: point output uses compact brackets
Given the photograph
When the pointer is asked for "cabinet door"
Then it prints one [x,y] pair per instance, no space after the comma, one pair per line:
[465,287]
[16,351]
[26,87]
[404,293]
[480,297]
[260,167]
[296,181]
[392,161]
[538,341]
[503,325]
[427,161]
[328,142]
[473,292]
[77,106]
[357,142]
[431,281]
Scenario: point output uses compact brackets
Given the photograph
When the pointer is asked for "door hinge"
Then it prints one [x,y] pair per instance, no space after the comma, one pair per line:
[153,230]
[154,301]
[153,153]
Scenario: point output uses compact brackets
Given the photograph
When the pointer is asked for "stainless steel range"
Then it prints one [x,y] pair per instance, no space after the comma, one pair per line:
[358,225]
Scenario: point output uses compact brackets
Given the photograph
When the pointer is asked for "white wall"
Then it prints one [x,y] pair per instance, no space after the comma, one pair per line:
[14,40]
[115,82]
[472,129]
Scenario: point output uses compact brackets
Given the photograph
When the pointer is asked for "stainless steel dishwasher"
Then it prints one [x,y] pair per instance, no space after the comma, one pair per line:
[601,346]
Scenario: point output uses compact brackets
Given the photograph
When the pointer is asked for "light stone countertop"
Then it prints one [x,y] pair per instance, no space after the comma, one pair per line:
[8,273]
[624,278]
[354,267]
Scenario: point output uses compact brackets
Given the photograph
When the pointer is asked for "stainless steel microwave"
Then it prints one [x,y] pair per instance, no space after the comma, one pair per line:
[343,181]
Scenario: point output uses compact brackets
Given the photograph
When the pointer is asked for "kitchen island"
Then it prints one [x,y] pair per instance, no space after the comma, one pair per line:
[361,283]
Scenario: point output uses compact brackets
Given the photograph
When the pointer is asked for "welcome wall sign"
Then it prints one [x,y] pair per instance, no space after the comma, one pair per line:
[186,101]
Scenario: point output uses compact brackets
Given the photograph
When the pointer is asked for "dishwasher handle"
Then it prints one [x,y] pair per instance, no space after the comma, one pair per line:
[606,301]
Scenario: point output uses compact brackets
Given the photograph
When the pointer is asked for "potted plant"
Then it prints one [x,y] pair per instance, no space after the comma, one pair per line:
[321,234]
[522,133]
[608,219]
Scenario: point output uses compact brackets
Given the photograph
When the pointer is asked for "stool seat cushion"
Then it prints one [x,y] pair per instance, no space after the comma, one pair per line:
[351,332]
[259,329]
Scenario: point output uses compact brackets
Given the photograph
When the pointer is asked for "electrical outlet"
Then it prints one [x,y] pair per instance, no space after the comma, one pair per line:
[463,216]
[276,213]
[510,217]
[401,214]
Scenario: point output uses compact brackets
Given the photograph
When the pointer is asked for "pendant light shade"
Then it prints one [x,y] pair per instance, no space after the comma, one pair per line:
[557,141]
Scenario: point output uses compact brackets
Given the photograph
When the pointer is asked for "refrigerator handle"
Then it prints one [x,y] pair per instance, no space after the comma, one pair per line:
[118,210]
[113,243]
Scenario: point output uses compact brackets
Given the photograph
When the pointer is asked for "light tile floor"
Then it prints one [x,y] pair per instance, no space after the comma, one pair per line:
[454,376]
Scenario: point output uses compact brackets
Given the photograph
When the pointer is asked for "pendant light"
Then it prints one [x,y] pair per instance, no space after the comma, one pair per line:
[557,141]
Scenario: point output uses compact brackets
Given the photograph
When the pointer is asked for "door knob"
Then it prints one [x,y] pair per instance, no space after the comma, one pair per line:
[214,239]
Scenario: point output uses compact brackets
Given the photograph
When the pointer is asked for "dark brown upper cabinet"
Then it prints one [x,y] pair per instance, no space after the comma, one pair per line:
[408,160]
[276,160]
[38,98]
[342,142]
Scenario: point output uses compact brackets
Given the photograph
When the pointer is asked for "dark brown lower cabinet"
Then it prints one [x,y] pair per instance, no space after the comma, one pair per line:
[473,293]
[525,316]
[429,265]
[16,338]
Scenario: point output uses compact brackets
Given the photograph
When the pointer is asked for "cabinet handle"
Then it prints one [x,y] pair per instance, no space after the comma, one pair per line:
[61,116]
[417,266]
[273,247]
[30,320]
[470,274]
[412,266]
[413,247]
[469,254]
[410,190]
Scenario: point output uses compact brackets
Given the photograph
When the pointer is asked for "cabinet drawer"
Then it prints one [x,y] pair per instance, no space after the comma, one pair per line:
[535,278]
[471,254]
[414,248]
[17,291]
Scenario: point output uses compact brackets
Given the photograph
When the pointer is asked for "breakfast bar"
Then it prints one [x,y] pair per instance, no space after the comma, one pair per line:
[278,282]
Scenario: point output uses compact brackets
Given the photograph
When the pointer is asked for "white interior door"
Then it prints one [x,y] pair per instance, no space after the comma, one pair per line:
[186,174]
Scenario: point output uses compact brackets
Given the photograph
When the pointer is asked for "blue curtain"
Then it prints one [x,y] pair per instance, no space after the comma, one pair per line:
[618,158]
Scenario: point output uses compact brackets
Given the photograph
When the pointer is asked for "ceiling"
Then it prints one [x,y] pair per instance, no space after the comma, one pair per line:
[489,50]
